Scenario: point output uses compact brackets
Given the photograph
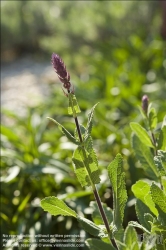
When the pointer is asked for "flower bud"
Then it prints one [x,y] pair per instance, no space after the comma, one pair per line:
[145,101]
[61,71]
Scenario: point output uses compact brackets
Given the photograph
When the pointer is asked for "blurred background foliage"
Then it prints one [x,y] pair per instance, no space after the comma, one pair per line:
[115,53]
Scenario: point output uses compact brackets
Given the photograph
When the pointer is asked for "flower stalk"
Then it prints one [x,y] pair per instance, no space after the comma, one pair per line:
[64,77]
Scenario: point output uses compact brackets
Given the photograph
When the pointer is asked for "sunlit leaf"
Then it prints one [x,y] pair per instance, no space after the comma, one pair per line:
[85,168]
[64,131]
[130,238]
[145,156]
[152,118]
[73,108]
[96,244]
[55,206]
[141,190]
[91,227]
[158,196]
[117,178]
[162,139]
[142,134]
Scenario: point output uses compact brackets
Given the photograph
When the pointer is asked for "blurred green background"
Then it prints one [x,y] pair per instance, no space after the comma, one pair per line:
[115,52]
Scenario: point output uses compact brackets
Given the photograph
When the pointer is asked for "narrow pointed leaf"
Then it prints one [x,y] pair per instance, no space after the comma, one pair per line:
[55,206]
[117,178]
[149,218]
[162,216]
[158,196]
[96,244]
[142,134]
[21,208]
[86,170]
[137,225]
[130,238]
[145,156]
[152,118]
[64,131]
[162,139]
[141,190]
[142,209]
[90,123]
[73,108]
[160,162]
[89,147]
[91,227]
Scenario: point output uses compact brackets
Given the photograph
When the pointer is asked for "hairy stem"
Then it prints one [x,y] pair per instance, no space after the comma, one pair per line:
[103,215]
[95,192]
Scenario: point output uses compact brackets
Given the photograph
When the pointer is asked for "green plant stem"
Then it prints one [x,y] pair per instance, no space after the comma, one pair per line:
[95,192]
[78,129]
[103,215]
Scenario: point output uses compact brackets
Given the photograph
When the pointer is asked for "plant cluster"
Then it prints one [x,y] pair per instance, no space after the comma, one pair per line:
[107,224]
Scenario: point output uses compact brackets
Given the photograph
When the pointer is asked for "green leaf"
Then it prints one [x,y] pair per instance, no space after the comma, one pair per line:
[162,216]
[65,131]
[86,170]
[73,108]
[96,216]
[119,236]
[160,162]
[90,124]
[82,129]
[136,224]
[55,206]
[89,147]
[152,118]
[141,190]
[145,156]
[158,196]
[162,139]
[157,227]
[141,210]
[142,134]
[91,227]
[95,244]
[21,208]
[117,178]
[130,238]
[9,134]
[163,182]
[149,218]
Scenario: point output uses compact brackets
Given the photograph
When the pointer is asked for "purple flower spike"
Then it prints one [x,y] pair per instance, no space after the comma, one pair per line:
[61,71]
[145,101]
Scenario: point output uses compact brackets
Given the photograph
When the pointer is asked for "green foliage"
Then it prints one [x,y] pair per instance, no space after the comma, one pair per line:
[130,238]
[91,227]
[152,118]
[141,191]
[85,168]
[55,207]
[112,67]
[162,139]
[73,108]
[98,245]
[142,134]
[96,216]
[117,178]
[64,131]
[145,156]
